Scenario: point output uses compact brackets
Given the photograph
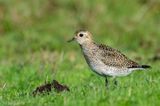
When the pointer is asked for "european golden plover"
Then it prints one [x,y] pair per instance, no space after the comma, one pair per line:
[103,59]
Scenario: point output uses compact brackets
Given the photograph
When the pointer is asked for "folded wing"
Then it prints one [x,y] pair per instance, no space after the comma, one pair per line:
[115,58]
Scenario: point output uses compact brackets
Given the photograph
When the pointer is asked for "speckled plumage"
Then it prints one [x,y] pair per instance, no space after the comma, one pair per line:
[115,58]
[103,59]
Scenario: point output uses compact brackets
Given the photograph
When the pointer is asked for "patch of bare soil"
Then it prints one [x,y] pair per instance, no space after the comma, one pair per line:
[48,87]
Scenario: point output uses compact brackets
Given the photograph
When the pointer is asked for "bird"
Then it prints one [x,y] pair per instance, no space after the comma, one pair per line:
[103,59]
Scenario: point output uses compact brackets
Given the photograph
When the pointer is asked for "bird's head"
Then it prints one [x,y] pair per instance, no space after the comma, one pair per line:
[82,37]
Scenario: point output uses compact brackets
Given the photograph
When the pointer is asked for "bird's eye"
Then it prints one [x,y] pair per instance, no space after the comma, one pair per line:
[81,35]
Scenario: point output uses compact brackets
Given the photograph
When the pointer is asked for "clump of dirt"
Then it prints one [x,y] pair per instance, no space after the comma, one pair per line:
[48,87]
[59,88]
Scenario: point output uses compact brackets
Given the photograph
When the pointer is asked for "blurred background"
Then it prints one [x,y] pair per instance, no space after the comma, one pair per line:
[34,49]
[29,26]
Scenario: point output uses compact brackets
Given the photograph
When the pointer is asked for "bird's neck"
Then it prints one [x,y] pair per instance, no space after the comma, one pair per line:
[87,45]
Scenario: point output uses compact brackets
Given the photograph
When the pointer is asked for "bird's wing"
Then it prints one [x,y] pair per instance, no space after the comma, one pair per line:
[113,57]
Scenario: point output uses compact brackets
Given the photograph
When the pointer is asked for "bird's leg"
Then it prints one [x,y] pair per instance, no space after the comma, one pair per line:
[115,81]
[106,82]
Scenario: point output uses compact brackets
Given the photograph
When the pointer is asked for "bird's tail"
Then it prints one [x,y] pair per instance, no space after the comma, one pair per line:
[145,66]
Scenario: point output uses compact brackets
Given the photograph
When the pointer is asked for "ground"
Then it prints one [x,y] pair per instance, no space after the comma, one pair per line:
[33,50]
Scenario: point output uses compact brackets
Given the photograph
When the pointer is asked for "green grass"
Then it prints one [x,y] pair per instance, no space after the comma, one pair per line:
[33,49]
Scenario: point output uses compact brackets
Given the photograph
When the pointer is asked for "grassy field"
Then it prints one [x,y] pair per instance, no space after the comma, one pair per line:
[33,50]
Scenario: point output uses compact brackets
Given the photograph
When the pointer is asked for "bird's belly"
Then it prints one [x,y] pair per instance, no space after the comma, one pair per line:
[114,71]
[102,69]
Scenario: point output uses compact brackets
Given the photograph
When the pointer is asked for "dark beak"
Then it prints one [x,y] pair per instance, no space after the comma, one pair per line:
[71,40]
